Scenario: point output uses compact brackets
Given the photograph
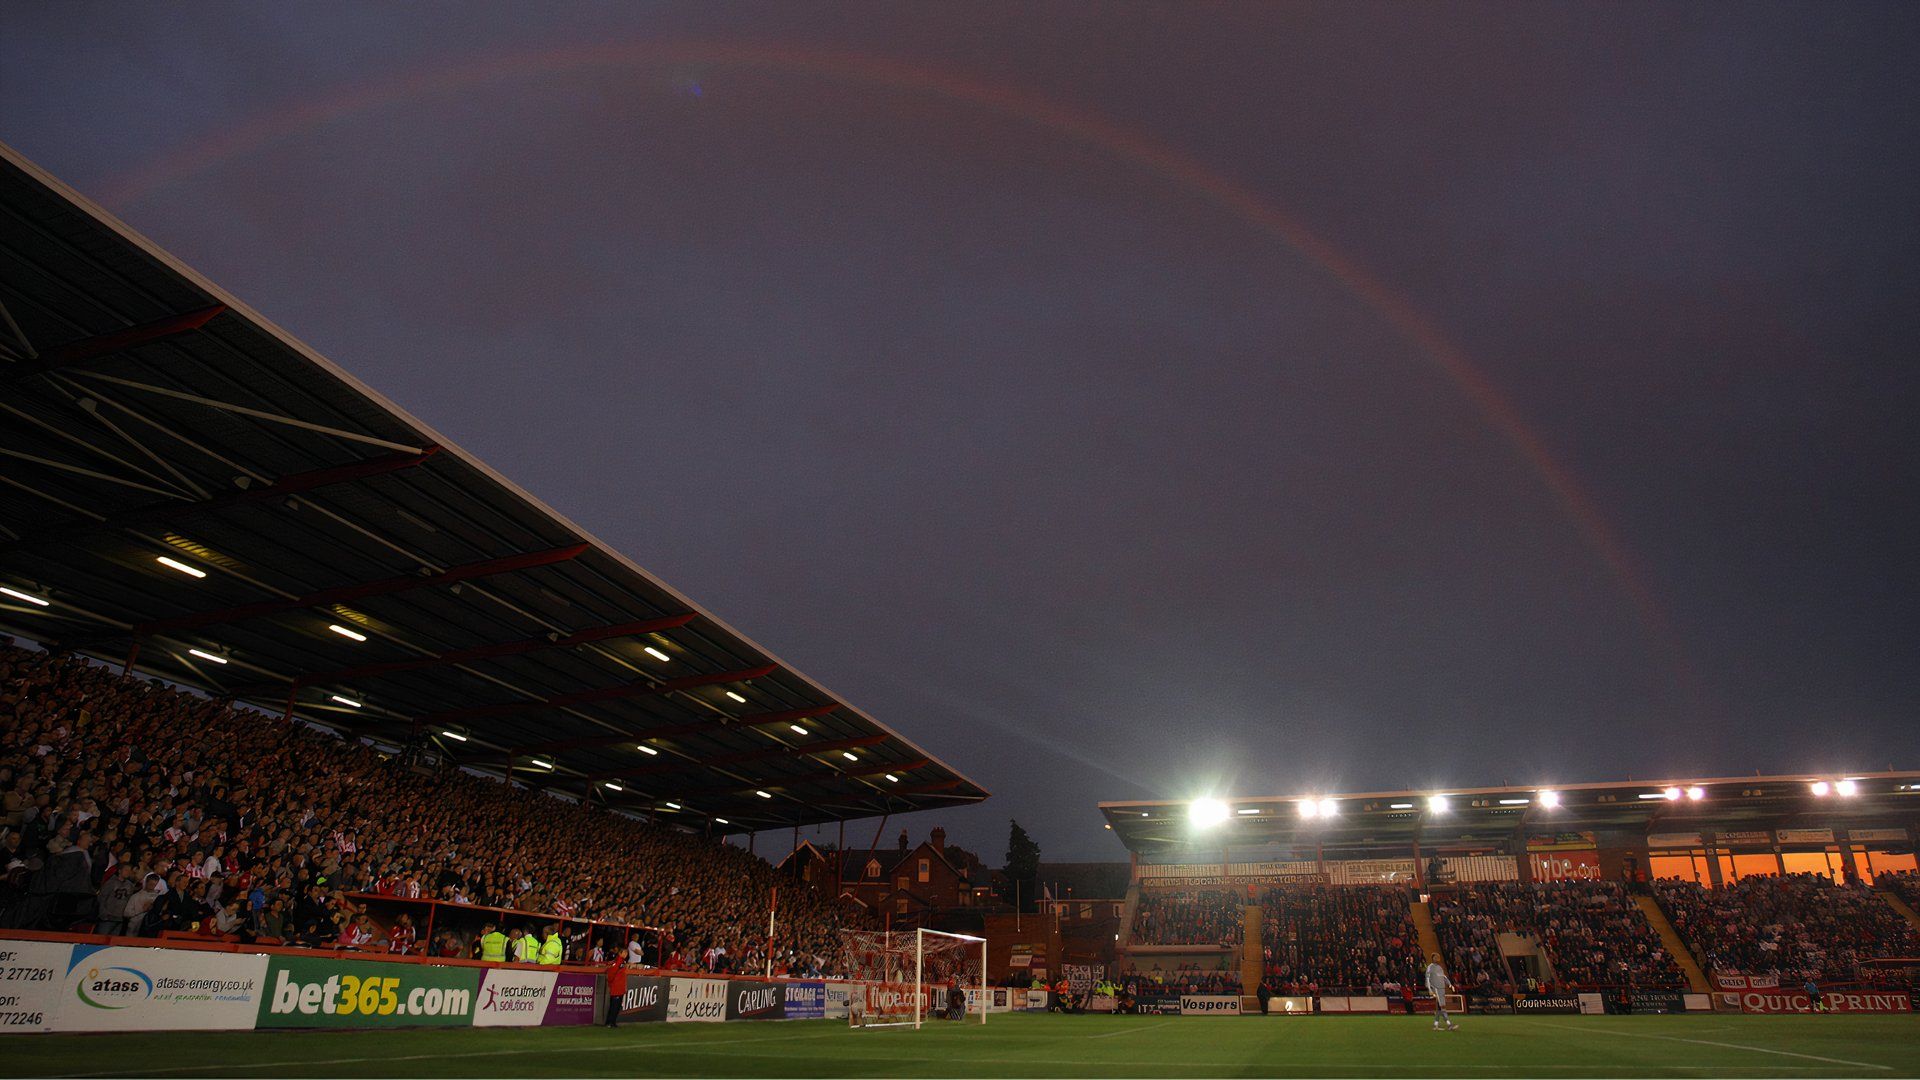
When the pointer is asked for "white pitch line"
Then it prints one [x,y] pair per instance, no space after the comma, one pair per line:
[1712,1042]
[1129,1031]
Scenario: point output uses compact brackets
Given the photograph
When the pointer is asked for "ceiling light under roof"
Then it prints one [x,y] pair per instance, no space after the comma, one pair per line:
[1309,808]
[611,786]
[1329,807]
[540,764]
[1671,794]
[1650,795]
[657,654]
[347,701]
[764,794]
[673,806]
[648,750]
[797,729]
[28,597]
[1247,810]
[850,755]
[1515,802]
[721,821]
[205,655]
[175,564]
[455,736]
[892,779]
[346,632]
[737,697]
[1820,788]
[1400,806]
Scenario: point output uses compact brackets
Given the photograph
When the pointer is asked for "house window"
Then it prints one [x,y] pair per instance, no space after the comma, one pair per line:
[873,868]
[900,882]
[926,870]
[900,906]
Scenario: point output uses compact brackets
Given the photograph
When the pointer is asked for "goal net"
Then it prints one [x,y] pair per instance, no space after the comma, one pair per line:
[909,977]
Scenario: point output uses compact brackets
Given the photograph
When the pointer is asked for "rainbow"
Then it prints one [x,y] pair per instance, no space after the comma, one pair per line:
[1182,171]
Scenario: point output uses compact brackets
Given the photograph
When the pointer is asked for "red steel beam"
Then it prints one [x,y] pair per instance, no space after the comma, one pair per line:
[291,484]
[605,693]
[751,720]
[491,652]
[343,594]
[73,352]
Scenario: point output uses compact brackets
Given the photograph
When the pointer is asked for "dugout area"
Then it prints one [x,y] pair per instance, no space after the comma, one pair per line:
[1027,1045]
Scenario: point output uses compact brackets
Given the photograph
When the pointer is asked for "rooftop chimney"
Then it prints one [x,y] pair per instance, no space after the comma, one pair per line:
[939,838]
[903,839]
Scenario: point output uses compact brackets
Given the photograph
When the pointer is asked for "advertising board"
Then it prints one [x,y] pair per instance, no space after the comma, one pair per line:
[839,1000]
[1837,1001]
[320,991]
[1547,1005]
[30,980]
[701,1001]
[1564,865]
[48,986]
[1209,1005]
[805,1001]
[1289,1005]
[751,999]
[516,997]
[645,999]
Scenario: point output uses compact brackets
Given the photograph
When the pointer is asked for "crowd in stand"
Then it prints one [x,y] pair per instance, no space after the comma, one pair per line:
[138,809]
[1905,885]
[1797,926]
[1189,917]
[1339,939]
[1592,931]
[1185,979]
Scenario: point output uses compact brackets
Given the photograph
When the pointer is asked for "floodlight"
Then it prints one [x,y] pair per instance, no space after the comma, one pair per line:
[1820,788]
[1329,807]
[1437,804]
[1671,794]
[1847,787]
[1696,793]
[1309,808]
[1206,812]
[1549,799]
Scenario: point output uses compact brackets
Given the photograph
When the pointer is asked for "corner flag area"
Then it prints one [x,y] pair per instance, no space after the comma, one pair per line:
[1029,1045]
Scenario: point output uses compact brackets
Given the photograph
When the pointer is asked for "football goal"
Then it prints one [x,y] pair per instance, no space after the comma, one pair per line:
[906,978]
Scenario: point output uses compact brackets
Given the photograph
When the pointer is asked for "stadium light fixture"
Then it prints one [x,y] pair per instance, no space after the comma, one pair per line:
[1309,808]
[1651,795]
[205,655]
[764,794]
[1247,811]
[721,821]
[455,736]
[347,701]
[892,779]
[850,755]
[1549,799]
[1820,788]
[1438,804]
[1208,812]
[1515,802]
[1696,793]
[1671,794]
[736,697]
[28,597]
[1329,807]
[657,654]
[541,764]
[797,729]
[611,786]
[175,564]
[1400,806]
[673,806]
[345,632]
[1847,788]
[648,750]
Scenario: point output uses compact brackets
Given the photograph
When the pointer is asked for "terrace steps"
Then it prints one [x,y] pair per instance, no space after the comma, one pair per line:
[1905,909]
[1422,912]
[1676,948]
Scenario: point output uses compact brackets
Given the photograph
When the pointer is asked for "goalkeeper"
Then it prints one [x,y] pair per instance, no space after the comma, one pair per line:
[1438,985]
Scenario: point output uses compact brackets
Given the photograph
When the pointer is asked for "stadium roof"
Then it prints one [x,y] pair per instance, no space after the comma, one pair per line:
[181,477]
[1469,817]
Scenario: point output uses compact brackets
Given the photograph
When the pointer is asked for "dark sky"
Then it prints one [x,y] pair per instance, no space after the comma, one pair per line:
[1127,401]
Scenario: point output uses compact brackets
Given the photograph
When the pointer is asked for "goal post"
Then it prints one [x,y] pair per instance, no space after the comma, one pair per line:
[906,978]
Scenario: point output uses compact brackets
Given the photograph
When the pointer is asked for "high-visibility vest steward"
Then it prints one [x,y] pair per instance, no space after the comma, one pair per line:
[550,950]
[493,946]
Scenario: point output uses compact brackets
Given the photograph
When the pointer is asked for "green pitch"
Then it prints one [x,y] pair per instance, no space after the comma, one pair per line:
[1027,1045]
